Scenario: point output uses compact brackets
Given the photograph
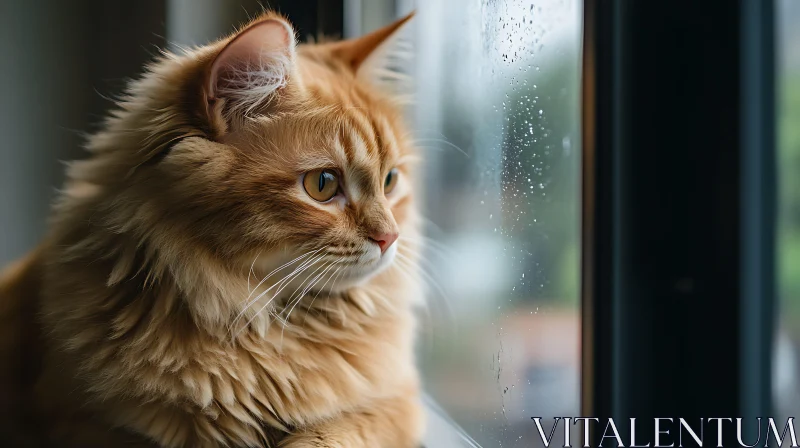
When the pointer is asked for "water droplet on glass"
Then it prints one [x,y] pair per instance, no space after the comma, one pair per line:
[566,144]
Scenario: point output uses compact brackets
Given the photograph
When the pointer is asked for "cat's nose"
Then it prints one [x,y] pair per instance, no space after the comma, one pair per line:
[384,239]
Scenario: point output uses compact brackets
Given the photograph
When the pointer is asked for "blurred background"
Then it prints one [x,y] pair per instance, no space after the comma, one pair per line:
[497,116]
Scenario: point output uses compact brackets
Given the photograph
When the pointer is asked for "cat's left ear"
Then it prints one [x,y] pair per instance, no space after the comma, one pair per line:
[249,70]
[369,52]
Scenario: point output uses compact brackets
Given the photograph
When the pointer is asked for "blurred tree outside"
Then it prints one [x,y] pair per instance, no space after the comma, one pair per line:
[541,181]
[788,245]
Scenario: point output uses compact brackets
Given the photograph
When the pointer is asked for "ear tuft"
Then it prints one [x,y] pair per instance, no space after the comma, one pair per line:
[252,66]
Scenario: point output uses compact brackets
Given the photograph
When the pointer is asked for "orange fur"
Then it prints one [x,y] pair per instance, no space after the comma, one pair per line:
[143,319]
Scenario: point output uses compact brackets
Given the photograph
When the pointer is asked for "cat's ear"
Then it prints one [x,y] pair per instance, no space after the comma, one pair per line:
[370,52]
[249,70]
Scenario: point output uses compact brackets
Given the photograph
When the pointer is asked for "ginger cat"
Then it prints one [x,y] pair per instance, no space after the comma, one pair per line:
[233,264]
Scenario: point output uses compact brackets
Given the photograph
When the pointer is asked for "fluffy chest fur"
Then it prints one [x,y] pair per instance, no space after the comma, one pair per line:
[146,364]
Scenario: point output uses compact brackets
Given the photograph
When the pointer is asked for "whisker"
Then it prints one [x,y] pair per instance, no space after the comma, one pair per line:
[283,282]
[333,288]
[308,281]
[432,282]
[310,305]
[316,281]
[439,140]
[415,257]
[305,281]
[330,277]
[249,304]
[286,281]
[313,252]
[251,272]
[425,303]
[426,240]
[282,267]
[404,268]
[311,284]
[327,269]
[294,275]
[444,252]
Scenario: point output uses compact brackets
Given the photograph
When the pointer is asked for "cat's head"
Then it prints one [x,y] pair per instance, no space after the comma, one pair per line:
[266,154]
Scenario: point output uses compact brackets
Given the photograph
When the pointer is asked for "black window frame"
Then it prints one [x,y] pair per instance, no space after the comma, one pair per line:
[678,281]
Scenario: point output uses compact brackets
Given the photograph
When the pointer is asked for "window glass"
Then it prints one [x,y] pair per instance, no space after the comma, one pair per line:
[786,365]
[497,118]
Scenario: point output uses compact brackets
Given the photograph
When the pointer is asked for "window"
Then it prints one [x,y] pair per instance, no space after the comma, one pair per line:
[497,117]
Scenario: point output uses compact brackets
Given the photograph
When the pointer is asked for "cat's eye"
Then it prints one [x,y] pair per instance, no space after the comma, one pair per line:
[321,185]
[391,181]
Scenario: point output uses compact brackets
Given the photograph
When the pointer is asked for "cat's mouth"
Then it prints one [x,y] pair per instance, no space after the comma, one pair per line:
[358,270]
[370,265]
[318,271]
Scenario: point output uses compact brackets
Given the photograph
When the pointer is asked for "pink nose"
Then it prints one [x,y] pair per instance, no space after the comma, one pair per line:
[384,240]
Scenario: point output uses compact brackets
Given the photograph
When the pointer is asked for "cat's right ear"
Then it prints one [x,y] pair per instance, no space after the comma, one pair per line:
[249,71]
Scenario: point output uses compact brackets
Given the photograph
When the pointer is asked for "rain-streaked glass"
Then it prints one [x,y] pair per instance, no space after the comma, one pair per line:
[497,115]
